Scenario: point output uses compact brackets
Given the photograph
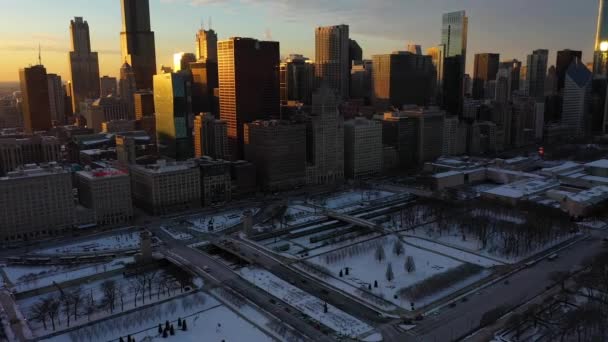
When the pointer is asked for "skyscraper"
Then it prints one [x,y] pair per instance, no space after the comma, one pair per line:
[108,86]
[437,54]
[248,85]
[297,79]
[206,45]
[36,106]
[182,60]
[536,73]
[454,36]
[601,34]
[355,53]
[56,98]
[414,48]
[564,59]
[127,86]
[332,58]
[137,41]
[209,136]
[84,64]
[576,106]
[486,68]
[402,78]
[173,105]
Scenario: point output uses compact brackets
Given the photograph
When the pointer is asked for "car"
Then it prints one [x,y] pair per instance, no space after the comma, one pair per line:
[553,257]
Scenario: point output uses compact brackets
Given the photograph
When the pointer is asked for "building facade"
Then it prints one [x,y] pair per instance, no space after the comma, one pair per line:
[137,41]
[107,192]
[36,202]
[485,70]
[56,99]
[15,152]
[166,187]
[35,105]
[248,86]
[332,60]
[362,148]
[297,79]
[216,181]
[536,72]
[84,65]
[576,105]
[210,137]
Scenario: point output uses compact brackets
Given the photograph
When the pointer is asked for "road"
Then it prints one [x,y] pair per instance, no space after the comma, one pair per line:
[455,323]
[198,261]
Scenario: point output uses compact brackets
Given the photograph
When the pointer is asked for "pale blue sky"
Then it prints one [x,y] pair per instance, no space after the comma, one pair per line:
[510,27]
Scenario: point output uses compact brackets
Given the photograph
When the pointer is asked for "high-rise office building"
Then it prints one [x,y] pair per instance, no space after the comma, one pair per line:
[326,143]
[36,202]
[437,54]
[248,85]
[362,148]
[108,193]
[210,137]
[361,81]
[107,86]
[84,65]
[16,152]
[173,105]
[355,53]
[297,79]
[402,78]
[332,58]
[552,81]
[137,41]
[278,150]
[576,106]
[564,59]
[600,54]
[36,106]
[56,99]
[454,37]
[206,45]
[216,181]
[414,48]
[182,60]
[485,69]
[536,73]
[144,104]
[127,86]
[204,82]
[105,109]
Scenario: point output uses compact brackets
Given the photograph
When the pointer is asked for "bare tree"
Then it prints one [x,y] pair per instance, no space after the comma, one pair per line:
[53,310]
[135,288]
[410,265]
[66,301]
[120,291]
[389,272]
[40,311]
[398,248]
[108,288]
[90,307]
[379,254]
[150,278]
[76,296]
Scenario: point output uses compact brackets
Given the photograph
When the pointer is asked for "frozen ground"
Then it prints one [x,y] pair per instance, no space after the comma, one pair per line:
[299,214]
[453,252]
[365,269]
[335,319]
[596,224]
[206,318]
[26,278]
[220,221]
[111,243]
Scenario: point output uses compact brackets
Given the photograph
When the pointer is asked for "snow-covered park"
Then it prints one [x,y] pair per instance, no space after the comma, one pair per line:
[176,233]
[109,243]
[214,223]
[335,319]
[385,267]
[206,320]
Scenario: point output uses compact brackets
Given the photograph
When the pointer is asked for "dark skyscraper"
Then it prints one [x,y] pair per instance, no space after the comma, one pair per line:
[36,102]
[454,37]
[536,73]
[402,78]
[137,41]
[332,58]
[248,85]
[172,102]
[486,68]
[564,59]
[84,64]
[297,79]
[355,52]
[206,45]
[204,82]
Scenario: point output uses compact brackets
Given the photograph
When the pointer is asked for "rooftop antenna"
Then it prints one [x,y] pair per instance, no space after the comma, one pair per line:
[202,24]
[210,22]
[39,55]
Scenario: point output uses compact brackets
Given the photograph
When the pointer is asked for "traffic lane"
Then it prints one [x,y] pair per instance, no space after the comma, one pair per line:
[522,286]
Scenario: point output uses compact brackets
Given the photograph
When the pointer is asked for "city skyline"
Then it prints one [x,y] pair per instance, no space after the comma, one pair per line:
[175,24]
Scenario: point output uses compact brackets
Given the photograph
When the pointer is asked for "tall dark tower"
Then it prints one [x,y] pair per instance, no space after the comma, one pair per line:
[36,102]
[564,59]
[84,65]
[137,41]
[485,69]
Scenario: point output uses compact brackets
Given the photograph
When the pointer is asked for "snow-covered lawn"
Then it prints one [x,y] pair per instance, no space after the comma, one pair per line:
[26,278]
[596,224]
[453,252]
[116,242]
[299,214]
[126,289]
[176,234]
[364,268]
[335,319]
[218,222]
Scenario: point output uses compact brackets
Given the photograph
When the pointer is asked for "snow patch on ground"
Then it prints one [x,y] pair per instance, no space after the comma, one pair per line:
[176,234]
[116,242]
[219,222]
